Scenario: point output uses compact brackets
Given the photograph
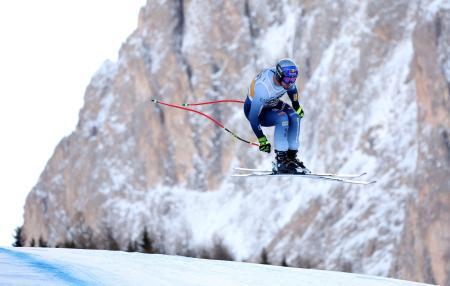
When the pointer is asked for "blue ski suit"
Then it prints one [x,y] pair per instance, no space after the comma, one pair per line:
[263,107]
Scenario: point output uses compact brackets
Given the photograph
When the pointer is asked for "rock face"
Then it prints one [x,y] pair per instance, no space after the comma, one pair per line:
[375,86]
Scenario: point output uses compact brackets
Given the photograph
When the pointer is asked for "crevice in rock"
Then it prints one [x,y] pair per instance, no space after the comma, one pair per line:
[189,73]
[438,28]
[446,139]
[93,132]
[427,268]
[253,31]
[169,166]
[179,27]
[179,31]
[160,114]
[307,68]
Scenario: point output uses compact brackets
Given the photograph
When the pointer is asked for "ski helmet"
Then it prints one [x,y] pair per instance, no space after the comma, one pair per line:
[286,71]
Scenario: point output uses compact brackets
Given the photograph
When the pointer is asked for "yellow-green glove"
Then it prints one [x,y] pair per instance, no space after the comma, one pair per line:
[264,144]
[300,111]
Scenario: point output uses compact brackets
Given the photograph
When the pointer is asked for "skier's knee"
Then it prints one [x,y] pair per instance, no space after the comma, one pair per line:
[293,116]
[283,119]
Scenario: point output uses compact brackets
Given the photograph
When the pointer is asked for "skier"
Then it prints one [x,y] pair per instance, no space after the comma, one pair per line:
[263,107]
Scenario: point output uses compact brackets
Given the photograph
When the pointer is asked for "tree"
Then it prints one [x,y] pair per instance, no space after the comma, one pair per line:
[264,257]
[112,242]
[19,238]
[42,242]
[32,243]
[147,243]
[219,250]
[67,244]
[132,246]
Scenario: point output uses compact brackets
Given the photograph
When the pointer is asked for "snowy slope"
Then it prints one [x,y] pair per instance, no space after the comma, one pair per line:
[46,266]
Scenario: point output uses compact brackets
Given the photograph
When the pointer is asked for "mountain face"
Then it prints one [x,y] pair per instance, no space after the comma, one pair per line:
[375,87]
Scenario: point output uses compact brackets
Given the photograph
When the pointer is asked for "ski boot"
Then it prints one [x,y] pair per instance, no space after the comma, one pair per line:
[283,165]
[299,166]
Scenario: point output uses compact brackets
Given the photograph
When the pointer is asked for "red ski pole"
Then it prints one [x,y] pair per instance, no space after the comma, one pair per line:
[212,102]
[182,107]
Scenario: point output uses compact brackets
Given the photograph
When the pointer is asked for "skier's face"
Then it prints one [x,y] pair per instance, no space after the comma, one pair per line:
[287,81]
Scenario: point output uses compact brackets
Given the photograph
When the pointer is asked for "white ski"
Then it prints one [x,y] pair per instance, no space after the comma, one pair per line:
[309,176]
[348,176]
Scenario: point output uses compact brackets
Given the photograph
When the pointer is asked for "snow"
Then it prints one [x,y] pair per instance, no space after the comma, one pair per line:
[271,50]
[106,72]
[432,7]
[105,104]
[46,266]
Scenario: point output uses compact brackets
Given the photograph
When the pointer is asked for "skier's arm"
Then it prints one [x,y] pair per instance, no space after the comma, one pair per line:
[293,95]
[255,109]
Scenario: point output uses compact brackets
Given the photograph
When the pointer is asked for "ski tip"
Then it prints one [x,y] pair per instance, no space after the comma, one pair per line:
[366,182]
[252,170]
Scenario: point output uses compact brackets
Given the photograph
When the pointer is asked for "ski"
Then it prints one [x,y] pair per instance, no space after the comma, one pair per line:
[309,176]
[347,176]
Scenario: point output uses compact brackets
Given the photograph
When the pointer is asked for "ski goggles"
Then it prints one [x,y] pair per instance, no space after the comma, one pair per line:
[289,75]
[289,79]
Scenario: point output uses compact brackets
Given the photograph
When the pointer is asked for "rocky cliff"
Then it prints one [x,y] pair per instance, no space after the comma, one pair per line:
[375,85]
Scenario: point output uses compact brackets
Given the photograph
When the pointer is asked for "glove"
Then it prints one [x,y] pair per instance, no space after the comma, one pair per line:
[264,145]
[300,111]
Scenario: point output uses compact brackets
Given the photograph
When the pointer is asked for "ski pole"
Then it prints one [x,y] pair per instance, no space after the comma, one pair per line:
[212,102]
[205,115]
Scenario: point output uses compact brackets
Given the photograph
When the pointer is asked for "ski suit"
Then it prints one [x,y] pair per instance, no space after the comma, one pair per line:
[263,107]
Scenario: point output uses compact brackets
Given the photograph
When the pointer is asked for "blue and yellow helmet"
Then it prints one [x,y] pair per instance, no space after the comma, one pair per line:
[286,71]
